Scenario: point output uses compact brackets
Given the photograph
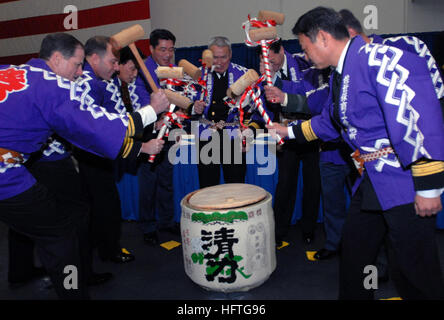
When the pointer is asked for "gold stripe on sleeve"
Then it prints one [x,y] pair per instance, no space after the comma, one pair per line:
[254,125]
[426,168]
[131,128]
[307,130]
[128,142]
[128,145]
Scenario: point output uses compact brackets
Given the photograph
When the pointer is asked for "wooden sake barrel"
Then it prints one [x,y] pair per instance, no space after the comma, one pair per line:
[228,237]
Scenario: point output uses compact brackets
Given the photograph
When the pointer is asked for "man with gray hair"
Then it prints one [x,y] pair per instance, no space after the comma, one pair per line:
[215,114]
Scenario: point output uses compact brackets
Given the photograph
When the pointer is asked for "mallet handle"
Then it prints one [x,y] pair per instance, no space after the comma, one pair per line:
[142,65]
[266,62]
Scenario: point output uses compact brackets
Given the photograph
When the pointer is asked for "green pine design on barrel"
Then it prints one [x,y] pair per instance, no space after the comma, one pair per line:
[229,216]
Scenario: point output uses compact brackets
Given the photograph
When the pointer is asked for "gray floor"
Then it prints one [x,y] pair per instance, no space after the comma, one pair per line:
[158,274]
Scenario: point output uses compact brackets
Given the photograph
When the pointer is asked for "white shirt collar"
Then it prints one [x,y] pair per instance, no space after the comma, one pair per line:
[283,68]
[284,65]
[220,75]
[342,58]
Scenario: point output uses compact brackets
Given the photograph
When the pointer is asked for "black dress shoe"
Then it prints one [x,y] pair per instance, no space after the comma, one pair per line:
[151,238]
[36,273]
[307,237]
[122,258]
[45,283]
[99,278]
[324,254]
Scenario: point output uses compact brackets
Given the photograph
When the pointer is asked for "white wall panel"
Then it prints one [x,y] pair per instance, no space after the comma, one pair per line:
[195,21]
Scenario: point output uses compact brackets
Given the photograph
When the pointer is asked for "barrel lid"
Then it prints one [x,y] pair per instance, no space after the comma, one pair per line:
[226,196]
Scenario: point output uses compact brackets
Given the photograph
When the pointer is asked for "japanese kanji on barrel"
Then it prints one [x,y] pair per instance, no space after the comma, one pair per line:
[228,237]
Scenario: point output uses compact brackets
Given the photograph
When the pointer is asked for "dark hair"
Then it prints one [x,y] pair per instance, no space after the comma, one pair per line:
[161,34]
[321,18]
[350,20]
[275,47]
[126,55]
[97,44]
[65,43]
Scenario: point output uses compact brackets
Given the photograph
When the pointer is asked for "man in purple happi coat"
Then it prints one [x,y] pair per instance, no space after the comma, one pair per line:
[217,118]
[44,103]
[385,107]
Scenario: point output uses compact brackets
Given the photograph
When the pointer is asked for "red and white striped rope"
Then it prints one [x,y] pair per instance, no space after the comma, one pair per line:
[367,157]
[265,44]
[258,103]
[203,83]
[265,50]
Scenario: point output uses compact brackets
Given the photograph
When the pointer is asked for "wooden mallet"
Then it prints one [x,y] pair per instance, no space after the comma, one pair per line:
[207,58]
[127,37]
[277,17]
[190,69]
[174,97]
[237,88]
[169,72]
[264,34]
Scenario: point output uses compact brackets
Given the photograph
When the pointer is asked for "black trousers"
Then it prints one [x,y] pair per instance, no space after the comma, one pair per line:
[60,178]
[234,169]
[156,192]
[98,179]
[289,160]
[36,214]
[413,258]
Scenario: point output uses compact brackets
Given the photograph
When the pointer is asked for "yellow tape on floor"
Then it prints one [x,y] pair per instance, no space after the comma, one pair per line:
[170,244]
[310,255]
[284,244]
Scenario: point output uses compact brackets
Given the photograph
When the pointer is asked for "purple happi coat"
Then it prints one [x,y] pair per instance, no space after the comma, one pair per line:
[36,103]
[296,64]
[415,45]
[55,149]
[113,98]
[234,71]
[308,81]
[386,99]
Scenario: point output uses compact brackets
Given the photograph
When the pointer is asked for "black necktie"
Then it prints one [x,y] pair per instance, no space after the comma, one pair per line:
[336,87]
[126,97]
[283,75]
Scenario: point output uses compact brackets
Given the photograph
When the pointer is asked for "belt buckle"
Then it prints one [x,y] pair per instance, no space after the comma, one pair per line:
[358,161]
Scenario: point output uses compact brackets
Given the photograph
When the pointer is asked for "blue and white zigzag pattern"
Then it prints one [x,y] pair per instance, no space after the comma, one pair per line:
[80,90]
[116,96]
[422,50]
[393,76]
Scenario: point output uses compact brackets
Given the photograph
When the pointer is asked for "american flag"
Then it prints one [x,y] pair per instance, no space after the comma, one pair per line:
[24,23]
